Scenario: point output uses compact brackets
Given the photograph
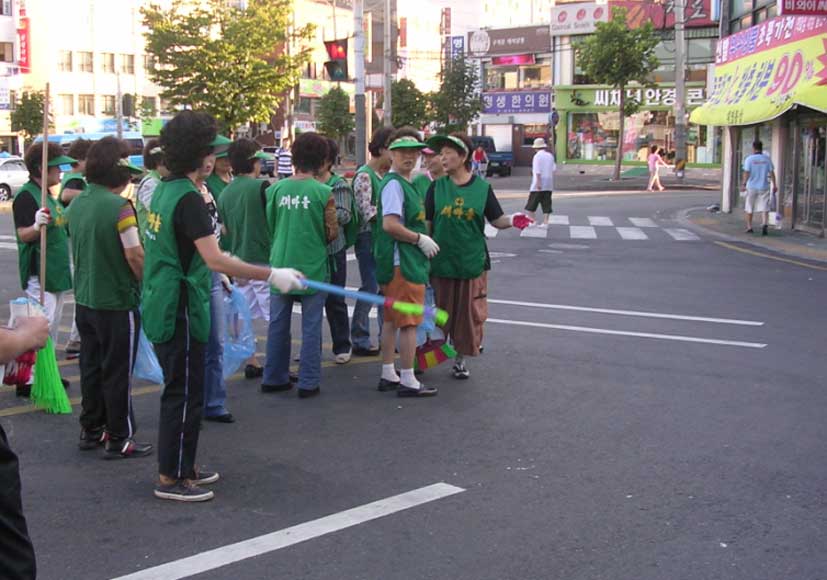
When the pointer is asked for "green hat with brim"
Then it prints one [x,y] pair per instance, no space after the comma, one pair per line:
[262,155]
[61,160]
[220,145]
[437,142]
[406,143]
[134,169]
[222,154]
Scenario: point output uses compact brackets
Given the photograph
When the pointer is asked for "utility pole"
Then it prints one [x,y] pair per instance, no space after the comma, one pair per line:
[680,87]
[288,103]
[359,56]
[388,77]
[119,107]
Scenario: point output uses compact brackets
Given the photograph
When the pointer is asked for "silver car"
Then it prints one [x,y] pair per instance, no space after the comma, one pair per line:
[13,175]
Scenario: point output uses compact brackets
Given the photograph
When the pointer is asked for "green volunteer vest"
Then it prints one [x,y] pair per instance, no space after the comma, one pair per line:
[58,272]
[140,208]
[103,278]
[375,188]
[458,228]
[247,235]
[216,185]
[164,274]
[421,183]
[295,216]
[352,227]
[412,261]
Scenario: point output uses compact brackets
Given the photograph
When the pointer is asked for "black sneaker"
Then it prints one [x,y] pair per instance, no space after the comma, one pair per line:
[23,391]
[90,440]
[182,490]
[460,371]
[359,351]
[253,372]
[309,393]
[749,231]
[125,448]
[276,388]
[422,391]
[204,477]
[386,385]
[764,230]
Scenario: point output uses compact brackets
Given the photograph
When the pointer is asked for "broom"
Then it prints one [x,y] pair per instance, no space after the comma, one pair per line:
[48,392]
[433,353]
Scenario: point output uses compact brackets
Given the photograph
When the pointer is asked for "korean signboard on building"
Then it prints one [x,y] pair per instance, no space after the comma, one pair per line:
[527,39]
[571,19]
[662,14]
[802,7]
[511,102]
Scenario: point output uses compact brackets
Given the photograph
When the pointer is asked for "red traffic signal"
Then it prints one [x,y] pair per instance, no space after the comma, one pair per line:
[336,49]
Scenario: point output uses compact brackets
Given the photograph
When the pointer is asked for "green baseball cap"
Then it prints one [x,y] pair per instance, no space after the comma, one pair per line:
[406,142]
[437,142]
[132,168]
[262,155]
[61,160]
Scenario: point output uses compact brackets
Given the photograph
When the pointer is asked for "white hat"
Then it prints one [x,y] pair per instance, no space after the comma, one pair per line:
[539,143]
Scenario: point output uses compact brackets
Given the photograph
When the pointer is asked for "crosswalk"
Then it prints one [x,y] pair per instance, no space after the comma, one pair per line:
[599,227]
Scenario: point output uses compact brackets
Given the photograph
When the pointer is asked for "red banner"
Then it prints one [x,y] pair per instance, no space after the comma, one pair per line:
[802,7]
[698,13]
[25,60]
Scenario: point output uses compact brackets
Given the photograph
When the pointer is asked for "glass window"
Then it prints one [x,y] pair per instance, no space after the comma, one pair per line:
[128,64]
[580,77]
[66,104]
[514,77]
[741,7]
[64,63]
[108,62]
[86,104]
[149,62]
[536,76]
[108,104]
[7,51]
[304,105]
[85,62]
[5,8]
[532,132]
[149,105]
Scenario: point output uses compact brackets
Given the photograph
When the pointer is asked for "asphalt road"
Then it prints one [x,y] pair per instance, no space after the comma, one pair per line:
[629,420]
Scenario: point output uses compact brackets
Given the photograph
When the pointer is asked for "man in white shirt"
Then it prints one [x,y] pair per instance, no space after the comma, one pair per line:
[542,181]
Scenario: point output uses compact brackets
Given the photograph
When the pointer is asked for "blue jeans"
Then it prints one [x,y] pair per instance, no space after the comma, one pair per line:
[360,325]
[215,389]
[279,340]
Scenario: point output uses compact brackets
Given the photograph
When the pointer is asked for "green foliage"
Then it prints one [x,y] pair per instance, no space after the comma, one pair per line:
[333,117]
[223,60]
[457,102]
[27,116]
[409,104]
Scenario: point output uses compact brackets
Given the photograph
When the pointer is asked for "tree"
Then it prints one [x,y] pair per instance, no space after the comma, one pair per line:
[457,102]
[333,116]
[409,104]
[27,116]
[224,60]
[617,56]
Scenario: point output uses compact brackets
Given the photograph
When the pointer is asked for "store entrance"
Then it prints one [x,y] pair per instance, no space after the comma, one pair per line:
[811,178]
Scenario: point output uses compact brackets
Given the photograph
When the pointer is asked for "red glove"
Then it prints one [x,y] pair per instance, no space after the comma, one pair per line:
[521,221]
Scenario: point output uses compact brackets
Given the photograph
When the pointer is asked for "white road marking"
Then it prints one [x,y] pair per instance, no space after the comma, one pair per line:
[534,232]
[681,234]
[643,222]
[596,220]
[632,234]
[582,233]
[558,220]
[264,544]
[563,246]
[637,313]
[297,309]
[4,237]
[652,335]
[8,246]
[551,251]
[491,231]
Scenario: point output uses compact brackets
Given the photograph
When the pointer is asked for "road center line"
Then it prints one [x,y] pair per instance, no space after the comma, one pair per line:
[638,313]
[264,544]
[675,337]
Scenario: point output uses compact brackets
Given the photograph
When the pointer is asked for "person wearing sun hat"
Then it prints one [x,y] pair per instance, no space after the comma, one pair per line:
[221,175]
[109,263]
[403,250]
[456,207]
[432,164]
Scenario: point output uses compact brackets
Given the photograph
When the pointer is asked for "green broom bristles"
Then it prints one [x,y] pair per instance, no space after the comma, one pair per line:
[48,392]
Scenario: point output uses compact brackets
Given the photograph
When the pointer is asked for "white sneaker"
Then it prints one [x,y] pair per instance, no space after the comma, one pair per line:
[342,358]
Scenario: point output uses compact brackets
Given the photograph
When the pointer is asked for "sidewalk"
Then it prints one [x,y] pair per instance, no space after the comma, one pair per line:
[730,227]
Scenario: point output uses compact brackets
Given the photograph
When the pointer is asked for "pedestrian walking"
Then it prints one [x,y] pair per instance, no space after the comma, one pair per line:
[432,163]
[181,250]
[284,162]
[246,235]
[156,171]
[221,175]
[543,167]
[758,175]
[109,264]
[366,188]
[335,306]
[456,208]
[479,161]
[301,216]
[403,250]
[655,162]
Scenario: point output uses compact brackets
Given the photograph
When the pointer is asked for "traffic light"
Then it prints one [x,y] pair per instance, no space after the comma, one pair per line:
[336,49]
[336,67]
[336,70]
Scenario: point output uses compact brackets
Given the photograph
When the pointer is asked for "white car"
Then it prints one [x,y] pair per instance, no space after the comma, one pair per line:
[13,175]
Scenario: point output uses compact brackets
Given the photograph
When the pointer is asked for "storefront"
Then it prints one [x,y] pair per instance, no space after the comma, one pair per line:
[589,126]
[771,84]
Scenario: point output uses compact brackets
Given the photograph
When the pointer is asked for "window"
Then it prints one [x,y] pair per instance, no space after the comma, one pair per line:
[86,104]
[66,104]
[5,8]
[304,105]
[64,63]
[149,62]
[6,51]
[108,104]
[128,64]
[534,131]
[85,62]
[108,62]
[518,77]
[149,105]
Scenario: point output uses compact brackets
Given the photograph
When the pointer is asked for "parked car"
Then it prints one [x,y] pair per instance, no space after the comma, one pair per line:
[499,162]
[13,175]
[268,166]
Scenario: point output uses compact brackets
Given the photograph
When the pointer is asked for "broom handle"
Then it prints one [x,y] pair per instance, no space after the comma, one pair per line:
[44,192]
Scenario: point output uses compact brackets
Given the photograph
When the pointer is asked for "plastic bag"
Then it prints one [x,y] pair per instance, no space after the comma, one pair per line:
[239,340]
[147,366]
[428,327]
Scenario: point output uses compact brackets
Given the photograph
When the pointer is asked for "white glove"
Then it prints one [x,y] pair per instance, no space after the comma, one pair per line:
[428,246]
[225,282]
[42,218]
[285,279]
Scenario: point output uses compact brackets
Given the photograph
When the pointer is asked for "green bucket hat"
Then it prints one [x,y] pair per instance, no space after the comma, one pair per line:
[132,168]
[437,142]
[61,160]
[262,155]
[406,143]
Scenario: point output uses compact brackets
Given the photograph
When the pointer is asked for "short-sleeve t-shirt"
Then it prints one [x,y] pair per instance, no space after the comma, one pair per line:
[23,209]
[759,167]
[393,203]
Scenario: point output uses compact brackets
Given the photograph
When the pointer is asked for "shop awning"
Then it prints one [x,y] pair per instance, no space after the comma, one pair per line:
[764,71]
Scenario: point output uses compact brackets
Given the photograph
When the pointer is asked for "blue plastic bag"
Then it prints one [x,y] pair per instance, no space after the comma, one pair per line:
[428,327]
[146,362]
[239,340]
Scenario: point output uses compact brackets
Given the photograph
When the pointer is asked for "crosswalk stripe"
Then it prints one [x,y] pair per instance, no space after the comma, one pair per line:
[8,246]
[643,222]
[3,237]
[681,234]
[491,231]
[598,220]
[582,233]
[534,232]
[559,220]
[632,234]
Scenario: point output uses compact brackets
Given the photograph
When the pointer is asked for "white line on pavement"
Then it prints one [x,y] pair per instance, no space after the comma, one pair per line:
[681,234]
[225,555]
[582,233]
[643,222]
[559,220]
[4,237]
[534,232]
[8,246]
[597,220]
[590,330]
[638,313]
[632,234]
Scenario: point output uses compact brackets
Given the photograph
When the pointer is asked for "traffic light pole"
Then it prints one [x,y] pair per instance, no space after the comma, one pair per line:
[359,57]
[680,88]
[387,107]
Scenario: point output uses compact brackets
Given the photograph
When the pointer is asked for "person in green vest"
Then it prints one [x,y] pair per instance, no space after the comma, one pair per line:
[221,175]
[335,306]
[156,171]
[301,217]
[366,190]
[403,251]
[433,170]
[456,207]
[109,264]
[181,250]
[242,209]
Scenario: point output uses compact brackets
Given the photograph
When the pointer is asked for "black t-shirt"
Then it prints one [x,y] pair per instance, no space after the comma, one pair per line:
[23,208]
[192,222]
[76,184]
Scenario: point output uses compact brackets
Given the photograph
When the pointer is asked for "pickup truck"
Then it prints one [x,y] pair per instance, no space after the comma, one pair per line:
[499,162]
